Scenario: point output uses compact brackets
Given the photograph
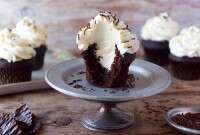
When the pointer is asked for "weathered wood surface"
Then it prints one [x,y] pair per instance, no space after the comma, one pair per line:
[63,18]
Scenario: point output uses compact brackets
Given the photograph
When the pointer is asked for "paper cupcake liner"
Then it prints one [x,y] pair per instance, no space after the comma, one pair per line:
[15,72]
[185,68]
[96,74]
[156,52]
[38,61]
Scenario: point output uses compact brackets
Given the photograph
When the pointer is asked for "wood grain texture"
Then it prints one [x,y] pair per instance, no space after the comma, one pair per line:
[63,18]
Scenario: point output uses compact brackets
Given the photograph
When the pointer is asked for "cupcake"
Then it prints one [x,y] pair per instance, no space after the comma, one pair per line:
[36,36]
[15,58]
[185,54]
[155,37]
[108,48]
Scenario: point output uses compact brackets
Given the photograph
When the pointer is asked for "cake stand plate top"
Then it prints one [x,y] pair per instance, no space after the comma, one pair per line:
[69,78]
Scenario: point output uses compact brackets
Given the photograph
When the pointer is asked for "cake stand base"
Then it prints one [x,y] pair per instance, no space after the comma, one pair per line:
[107,118]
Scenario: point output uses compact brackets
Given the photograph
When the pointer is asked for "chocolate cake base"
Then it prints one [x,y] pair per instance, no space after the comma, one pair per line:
[185,68]
[156,52]
[98,75]
[15,71]
[38,61]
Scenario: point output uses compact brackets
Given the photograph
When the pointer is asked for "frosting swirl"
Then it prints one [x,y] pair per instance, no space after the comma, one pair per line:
[28,29]
[107,32]
[13,48]
[159,28]
[187,43]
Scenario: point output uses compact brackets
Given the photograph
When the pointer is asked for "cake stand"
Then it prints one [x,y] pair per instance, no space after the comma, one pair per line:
[68,77]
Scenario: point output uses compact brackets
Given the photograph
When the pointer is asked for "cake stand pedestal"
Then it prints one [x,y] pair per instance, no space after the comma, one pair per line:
[68,77]
[108,117]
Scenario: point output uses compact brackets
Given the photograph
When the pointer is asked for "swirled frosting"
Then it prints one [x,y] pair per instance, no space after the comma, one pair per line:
[107,31]
[13,48]
[29,30]
[187,43]
[159,28]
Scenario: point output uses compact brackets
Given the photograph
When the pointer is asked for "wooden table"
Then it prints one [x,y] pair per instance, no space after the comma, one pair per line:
[63,18]
[55,109]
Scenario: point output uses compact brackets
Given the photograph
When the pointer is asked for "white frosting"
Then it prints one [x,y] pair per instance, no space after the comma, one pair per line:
[187,43]
[107,32]
[32,32]
[159,28]
[13,48]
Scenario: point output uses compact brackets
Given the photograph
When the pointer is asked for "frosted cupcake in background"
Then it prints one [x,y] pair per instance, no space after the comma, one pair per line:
[15,58]
[36,36]
[185,54]
[155,37]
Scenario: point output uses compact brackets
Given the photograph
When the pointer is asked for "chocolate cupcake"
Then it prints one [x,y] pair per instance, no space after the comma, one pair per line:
[15,58]
[108,48]
[155,37]
[185,54]
[36,36]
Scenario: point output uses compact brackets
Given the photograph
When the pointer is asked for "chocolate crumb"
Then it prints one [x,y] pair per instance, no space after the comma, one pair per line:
[133,38]
[62,121]
[126,41]
[130,81]
[73,82]
[81,72]
[78,80]
[99,58]
[92,89]
[112,92]
[84,30]
[78,86]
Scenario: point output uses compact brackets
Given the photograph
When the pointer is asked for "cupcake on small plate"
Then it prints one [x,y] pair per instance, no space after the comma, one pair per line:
[15,58]
[36,36]
[185,54]
[108,47]
[155,37]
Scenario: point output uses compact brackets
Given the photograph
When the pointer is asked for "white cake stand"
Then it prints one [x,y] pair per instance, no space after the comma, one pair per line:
[68,77]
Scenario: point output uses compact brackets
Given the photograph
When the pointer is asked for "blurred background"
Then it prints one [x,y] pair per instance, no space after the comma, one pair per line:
[63,18]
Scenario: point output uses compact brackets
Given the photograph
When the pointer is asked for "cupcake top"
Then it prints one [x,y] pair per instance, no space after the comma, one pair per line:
[28,29]
[159,28]
[108,33]
[187,43]
[13,48]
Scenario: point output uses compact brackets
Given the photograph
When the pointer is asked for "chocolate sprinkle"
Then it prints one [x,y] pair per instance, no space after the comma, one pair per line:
[190,120]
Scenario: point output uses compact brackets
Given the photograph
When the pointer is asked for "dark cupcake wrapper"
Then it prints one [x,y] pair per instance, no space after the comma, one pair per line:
[185,68]
[38,61]
[15,71]
[156,52]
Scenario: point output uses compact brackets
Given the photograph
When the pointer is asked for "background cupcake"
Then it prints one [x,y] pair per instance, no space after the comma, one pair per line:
[36,36]
[155,37]
[15,58]
[185,54]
